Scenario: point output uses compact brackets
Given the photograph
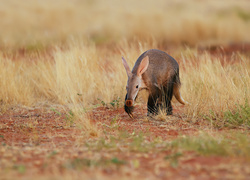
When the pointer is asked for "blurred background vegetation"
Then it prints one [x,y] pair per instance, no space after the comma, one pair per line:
[37,24]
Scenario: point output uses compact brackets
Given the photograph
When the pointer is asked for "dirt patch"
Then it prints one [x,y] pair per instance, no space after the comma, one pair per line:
[166,128]
[40,142]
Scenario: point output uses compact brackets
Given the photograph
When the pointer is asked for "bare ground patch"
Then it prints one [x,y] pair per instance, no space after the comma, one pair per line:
[41,143]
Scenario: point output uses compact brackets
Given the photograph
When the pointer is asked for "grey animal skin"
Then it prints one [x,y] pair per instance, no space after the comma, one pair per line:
[157,72]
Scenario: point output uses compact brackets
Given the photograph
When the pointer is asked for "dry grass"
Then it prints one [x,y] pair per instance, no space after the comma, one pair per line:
[211,86]
[82,74]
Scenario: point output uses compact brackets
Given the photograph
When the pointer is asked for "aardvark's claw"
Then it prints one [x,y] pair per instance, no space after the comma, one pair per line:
[131,116]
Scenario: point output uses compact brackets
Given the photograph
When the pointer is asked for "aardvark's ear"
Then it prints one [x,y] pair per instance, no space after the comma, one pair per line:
[143,66]
[125,64]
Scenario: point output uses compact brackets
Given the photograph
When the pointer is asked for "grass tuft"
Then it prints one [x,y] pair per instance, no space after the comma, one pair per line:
[237,117]
[80,163]
[235,145]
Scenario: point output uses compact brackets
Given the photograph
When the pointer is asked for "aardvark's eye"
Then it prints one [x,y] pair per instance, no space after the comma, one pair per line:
[136,86]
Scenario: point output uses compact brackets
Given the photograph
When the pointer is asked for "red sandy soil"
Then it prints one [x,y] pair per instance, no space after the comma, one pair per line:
[43,142]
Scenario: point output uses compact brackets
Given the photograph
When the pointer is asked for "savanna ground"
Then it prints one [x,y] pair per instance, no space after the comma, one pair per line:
[62,89]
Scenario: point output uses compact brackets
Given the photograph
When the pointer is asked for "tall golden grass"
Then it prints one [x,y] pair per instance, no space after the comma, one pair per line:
[83,73]
[213,83]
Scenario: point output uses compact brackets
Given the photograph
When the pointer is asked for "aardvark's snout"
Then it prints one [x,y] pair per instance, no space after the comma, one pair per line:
[129,103]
